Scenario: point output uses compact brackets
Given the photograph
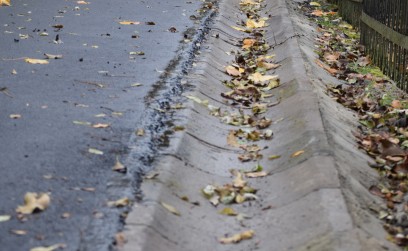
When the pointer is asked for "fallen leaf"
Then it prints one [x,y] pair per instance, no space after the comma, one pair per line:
[4,218]
[65,215]
[248,43]
[298,153]
[232,139]
[34,202]
[236,238]
[136,85]
[15,116]
[50,248]
[139,53]
[36,61]
[120,239]
[123,202]
[259,78]
[150,23]
[232,71]
[228,211]
[58,26]
[197,100]
[396,104]
[151,176]
[4,2]
[238,28]
[82,2]
[119,167]
[314,4]
[170,208]
[140,132]
[129,22]
[14,72]
[100,125]
[51,56]
[88,189]
[256,174]
[76,122]
[18,232]
[238,182]
[95,151]
[252,24]
[272,157]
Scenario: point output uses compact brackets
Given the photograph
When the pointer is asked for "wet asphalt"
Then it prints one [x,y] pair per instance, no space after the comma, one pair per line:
[106,75]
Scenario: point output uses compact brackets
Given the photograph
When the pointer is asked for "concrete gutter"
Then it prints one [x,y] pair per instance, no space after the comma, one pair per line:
[317,201]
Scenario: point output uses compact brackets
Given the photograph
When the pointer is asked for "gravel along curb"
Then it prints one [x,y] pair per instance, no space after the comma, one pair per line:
[315,195]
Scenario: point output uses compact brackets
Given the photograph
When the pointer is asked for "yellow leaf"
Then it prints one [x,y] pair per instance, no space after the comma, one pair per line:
[252,24]
[232,71]
[50,248]
[259,78]
[295,154]
[34,202]
[272,157]
[95,151]
[247,2]
[4,2]
[82,2]
[272,84]
[100,125]
[129,22]
[170,208]
[4,218]
[314,4]
[36,61]
[123,202]
[238,182]
[228,211]
[238,28]
[246,235]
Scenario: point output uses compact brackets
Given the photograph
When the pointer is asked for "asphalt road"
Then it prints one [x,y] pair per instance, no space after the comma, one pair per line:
[45,148]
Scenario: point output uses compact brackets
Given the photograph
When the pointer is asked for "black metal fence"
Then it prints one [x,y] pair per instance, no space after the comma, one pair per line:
[383,25]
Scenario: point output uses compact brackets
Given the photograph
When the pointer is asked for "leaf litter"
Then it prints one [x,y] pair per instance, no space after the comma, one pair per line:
[249,91]
[381,107]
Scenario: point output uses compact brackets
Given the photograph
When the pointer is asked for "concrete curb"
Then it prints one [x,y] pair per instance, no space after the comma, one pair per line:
[309,197]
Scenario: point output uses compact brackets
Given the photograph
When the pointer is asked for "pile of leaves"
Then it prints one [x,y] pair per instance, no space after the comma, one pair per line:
[382,110]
